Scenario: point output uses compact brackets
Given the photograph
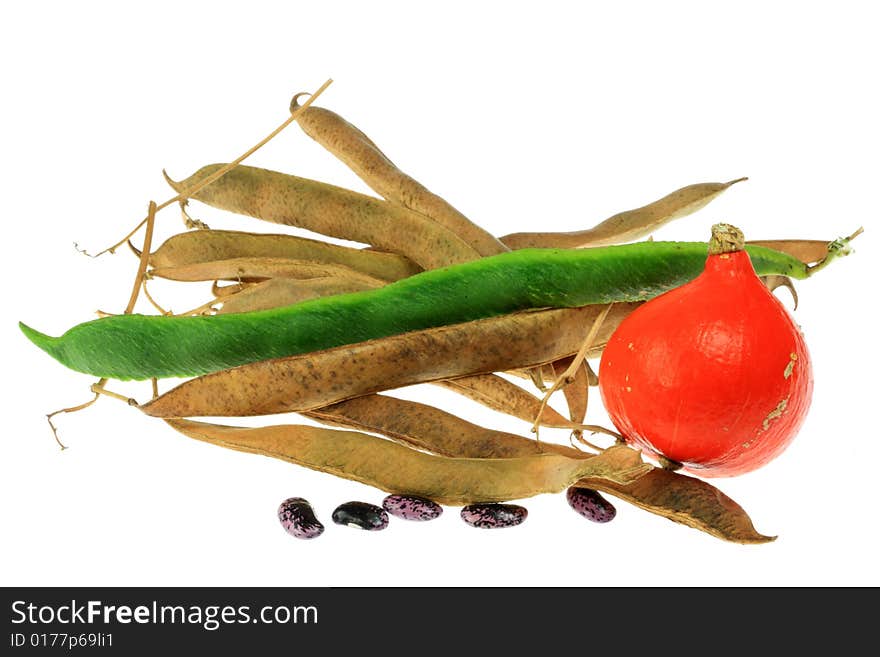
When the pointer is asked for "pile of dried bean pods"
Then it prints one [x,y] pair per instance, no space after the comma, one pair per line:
[297,325]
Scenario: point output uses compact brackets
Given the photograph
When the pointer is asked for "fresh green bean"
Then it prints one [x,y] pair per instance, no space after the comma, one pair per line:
[139,347]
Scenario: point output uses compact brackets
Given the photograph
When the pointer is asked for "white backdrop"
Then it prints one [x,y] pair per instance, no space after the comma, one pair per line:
[522,117]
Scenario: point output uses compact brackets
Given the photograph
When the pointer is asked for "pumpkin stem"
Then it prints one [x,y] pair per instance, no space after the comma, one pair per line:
[726,239]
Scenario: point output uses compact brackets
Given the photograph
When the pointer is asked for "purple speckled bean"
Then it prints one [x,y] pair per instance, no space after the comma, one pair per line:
[493,515]
[590,504]
[410,507]
[361,515]
[298,518]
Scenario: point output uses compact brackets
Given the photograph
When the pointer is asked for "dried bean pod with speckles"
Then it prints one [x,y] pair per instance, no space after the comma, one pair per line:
[298,518]
[590,504]
[493,516]
[330,210]
[372,166]
[629,225]
[361,515]
[411,507]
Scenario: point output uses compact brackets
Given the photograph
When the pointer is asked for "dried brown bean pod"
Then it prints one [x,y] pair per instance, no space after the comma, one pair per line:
[319,378]
[251,268]
[330,210]
[629,225]
[680,498]
[397,469]
[371,165]
[211,245]
[501,395]
[277,292]
[428,428]
[686,500]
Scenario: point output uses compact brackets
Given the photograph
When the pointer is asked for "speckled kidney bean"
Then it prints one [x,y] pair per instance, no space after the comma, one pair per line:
[590,504]
[493,515]
[410,507]
[298,518]
[361,515]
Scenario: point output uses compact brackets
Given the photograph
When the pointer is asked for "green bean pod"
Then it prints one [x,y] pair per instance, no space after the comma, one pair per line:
[137,347]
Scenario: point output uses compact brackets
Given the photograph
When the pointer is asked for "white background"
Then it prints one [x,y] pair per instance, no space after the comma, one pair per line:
[525,116]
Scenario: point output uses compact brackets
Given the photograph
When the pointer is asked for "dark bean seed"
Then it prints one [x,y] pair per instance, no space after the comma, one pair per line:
[298,518]
[590,504]
[493,515]
[361,515]
[410,507]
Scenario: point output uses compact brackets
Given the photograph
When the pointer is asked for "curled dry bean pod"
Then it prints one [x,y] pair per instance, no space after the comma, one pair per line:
[410,507]
[397,469]
[363,157]
[503,396]
[680,498]
[360,515]
[590,504]
[316,379]
[629,225]
[494,515]
[141,347]
[277,292]
[195,247]
[329,210]
[298,518]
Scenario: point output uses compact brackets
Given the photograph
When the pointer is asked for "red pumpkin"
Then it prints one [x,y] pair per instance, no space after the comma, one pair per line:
[713,375]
